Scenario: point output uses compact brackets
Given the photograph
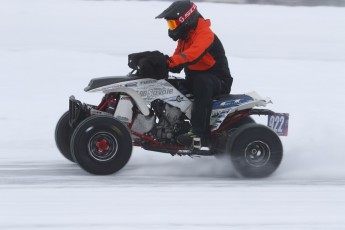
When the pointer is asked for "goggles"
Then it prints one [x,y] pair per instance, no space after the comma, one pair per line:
[172,24]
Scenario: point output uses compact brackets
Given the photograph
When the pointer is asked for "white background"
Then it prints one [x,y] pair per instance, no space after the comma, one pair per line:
[50,50]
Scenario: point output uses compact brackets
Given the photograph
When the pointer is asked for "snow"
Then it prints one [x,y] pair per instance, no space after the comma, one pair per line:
[50,50]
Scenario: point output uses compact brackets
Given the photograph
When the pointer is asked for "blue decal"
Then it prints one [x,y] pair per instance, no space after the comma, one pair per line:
[231,102]
[175,98]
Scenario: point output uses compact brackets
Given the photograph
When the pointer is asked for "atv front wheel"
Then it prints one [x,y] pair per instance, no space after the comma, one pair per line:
[101,145]
[255,150]
[63,133]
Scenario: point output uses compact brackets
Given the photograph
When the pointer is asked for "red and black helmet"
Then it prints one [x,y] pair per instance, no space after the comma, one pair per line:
[181,17]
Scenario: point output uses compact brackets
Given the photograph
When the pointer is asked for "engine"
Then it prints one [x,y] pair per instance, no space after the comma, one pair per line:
[170,122]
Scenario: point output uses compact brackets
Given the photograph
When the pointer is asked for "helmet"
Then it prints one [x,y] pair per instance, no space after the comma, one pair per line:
[181,17]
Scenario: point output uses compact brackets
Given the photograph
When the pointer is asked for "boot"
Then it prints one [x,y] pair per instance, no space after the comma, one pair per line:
[186,139]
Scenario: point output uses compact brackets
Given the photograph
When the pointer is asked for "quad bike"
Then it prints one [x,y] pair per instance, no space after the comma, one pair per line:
[151,113]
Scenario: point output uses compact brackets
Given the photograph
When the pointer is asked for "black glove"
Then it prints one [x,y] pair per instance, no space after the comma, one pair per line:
[176,69]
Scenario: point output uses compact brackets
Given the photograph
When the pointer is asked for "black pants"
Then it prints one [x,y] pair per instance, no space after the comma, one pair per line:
[204,87]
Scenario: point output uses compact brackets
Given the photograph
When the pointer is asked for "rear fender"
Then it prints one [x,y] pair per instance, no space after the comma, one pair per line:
[218,115]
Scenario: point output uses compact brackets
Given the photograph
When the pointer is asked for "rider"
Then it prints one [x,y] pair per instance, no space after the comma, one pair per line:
[201,54]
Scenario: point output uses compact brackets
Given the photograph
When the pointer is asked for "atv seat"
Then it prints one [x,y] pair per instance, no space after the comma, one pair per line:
[221,96]
[178,84]
[229,97]
[230,100]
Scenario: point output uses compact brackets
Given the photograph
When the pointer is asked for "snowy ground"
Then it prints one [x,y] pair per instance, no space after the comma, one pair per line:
[50,49]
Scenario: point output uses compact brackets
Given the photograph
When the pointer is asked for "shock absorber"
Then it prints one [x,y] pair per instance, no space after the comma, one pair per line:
[111,106]
[108,104]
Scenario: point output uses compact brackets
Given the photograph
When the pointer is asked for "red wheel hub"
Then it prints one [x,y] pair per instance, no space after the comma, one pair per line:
[102,145]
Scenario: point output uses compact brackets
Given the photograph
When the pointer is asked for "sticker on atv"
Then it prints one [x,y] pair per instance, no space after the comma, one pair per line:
[279,122]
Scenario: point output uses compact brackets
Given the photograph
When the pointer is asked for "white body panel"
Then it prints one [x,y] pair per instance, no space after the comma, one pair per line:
[144,91]
[124,110]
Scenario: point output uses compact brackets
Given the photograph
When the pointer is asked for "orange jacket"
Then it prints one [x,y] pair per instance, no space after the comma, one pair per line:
[202,51]
[193,52]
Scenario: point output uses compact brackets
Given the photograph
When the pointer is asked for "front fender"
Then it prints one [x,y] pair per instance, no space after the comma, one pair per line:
[139,102]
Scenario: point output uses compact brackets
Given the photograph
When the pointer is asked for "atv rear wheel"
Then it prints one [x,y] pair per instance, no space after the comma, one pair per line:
[255,151]
[63,133]
[101,145]
[218,143]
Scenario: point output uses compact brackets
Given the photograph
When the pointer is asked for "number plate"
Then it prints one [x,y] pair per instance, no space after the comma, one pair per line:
[279,122]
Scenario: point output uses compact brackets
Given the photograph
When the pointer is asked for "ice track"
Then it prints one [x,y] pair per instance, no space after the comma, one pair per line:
[56,194]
